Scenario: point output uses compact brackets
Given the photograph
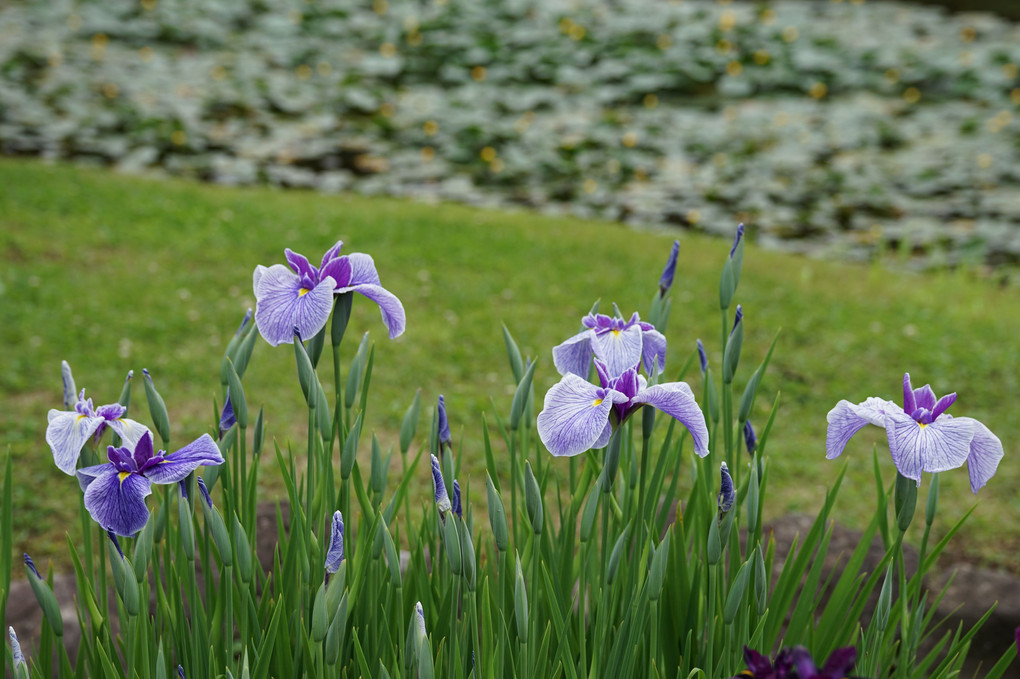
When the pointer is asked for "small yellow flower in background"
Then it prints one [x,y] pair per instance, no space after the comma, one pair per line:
[966,58]
[630,139]
[613,166]
[968,33]
[388,50]
[768,17]
[734,68]
[640,173]
[1014,96]
[663,42]
[892,76]
[590,186]
[723,46]
[179,138]
[414,39]
[217,72]
[411,23]
[488,154]
[496,166]
[478,73]
[55,59]
[911,95]
[781,119]
[380,7]
[577,32]
[1010,71]
[693,216]
[323,68]
[565,24]
[651,101]
[818,90]
[427,154]
[430,128]
[387,110]
[762,57]
[985,160]
[111,90]
[303,72]
[146,54]
[727,20]
[148,5]
[294,16]
[790,33]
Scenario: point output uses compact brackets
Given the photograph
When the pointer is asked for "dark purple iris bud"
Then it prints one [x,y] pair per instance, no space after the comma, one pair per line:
[750,439]
[69,431]
[335,552]
[619,343]
[180,672]
[727,495]
[456,500]
[444,425]
[302,296]
[702,357]
[116,543]
[666,280]
[204,492]
[736,240]
[115,492]
[227,417]
[16,654]
[244,323]
[922,436]
[31,566]
[578,416]
[439,486]
[738,318]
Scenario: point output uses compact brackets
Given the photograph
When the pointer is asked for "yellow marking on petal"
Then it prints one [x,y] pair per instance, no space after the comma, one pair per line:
[616,333]
[123,475]
[80,418]
[302,292]
[922,425]
[596,403]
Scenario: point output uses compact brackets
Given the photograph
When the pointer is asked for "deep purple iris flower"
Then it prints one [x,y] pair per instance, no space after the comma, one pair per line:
[796,663]
[69,431]
[302,297]
[922,436]
[335,552]
[439,486]
[115,492]
[578,416]
[619,343]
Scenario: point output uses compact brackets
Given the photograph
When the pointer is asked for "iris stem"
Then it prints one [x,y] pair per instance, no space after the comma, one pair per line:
[310,475]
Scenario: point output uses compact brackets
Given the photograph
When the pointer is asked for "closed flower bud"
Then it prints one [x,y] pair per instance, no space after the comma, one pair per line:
[750,439]
[443,426]
[320,617]
[70,394]
[44,595]
[702,357]
[520,602]
[335,551]
[497,516]
[533,499]
[17,655]
[157,410]
[727,495]
[666,280]
[244,558]
[443,503]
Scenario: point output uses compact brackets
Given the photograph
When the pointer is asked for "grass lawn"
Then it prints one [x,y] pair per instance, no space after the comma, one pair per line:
[115,273]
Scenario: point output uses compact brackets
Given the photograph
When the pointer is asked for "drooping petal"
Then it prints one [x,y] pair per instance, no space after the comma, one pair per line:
[619,349]
[846,419]
[677,400]
[573,356]
[653,351]
[116,501]
[935,447]
[256,276]
[985,454]
[390,307]
[67,433]
[603,439]
[282,304]
[87,475]
[363,269]
[129,431]
[111,411]
[177,465]
[574,416]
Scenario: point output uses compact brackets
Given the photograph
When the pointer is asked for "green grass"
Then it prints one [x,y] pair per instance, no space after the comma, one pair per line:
[113,273]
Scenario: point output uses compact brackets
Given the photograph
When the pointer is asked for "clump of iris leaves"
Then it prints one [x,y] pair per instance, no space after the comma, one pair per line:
[847,127]
[576,569]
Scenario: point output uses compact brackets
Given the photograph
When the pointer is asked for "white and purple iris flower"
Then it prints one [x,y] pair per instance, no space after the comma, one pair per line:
[922,436]
[578,415]
[619,343]
[69,431]
[301,297]
[335,551]
[115,492]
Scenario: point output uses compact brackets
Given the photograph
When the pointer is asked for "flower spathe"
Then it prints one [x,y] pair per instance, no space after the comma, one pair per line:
[578,416]
[922,436]
[439,486]
[619,343]
[335,552]
[115,492]
[301,297]
[69,431]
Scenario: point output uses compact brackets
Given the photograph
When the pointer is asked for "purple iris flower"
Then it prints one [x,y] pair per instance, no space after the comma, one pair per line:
[335,552]
[578,416]
[796,663]
[736,239]
[303,298]
[750,438]
[444,424]
[727,495]
[666,280]
[69,431]
[619,343]
[702,357]
[227,418]
[456,500]
[16,654]
[442,498]
[922,436]
[115,492]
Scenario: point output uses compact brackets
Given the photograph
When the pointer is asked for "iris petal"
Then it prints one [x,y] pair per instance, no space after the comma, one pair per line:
[67,433]
[363,269]
[118,504]
[282,305]
[619,349]
[573,356]
[985,454]
[574,416]
[677,400]
[846,419]
[177,465]
[390,307]
[653,351]
[936,447]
